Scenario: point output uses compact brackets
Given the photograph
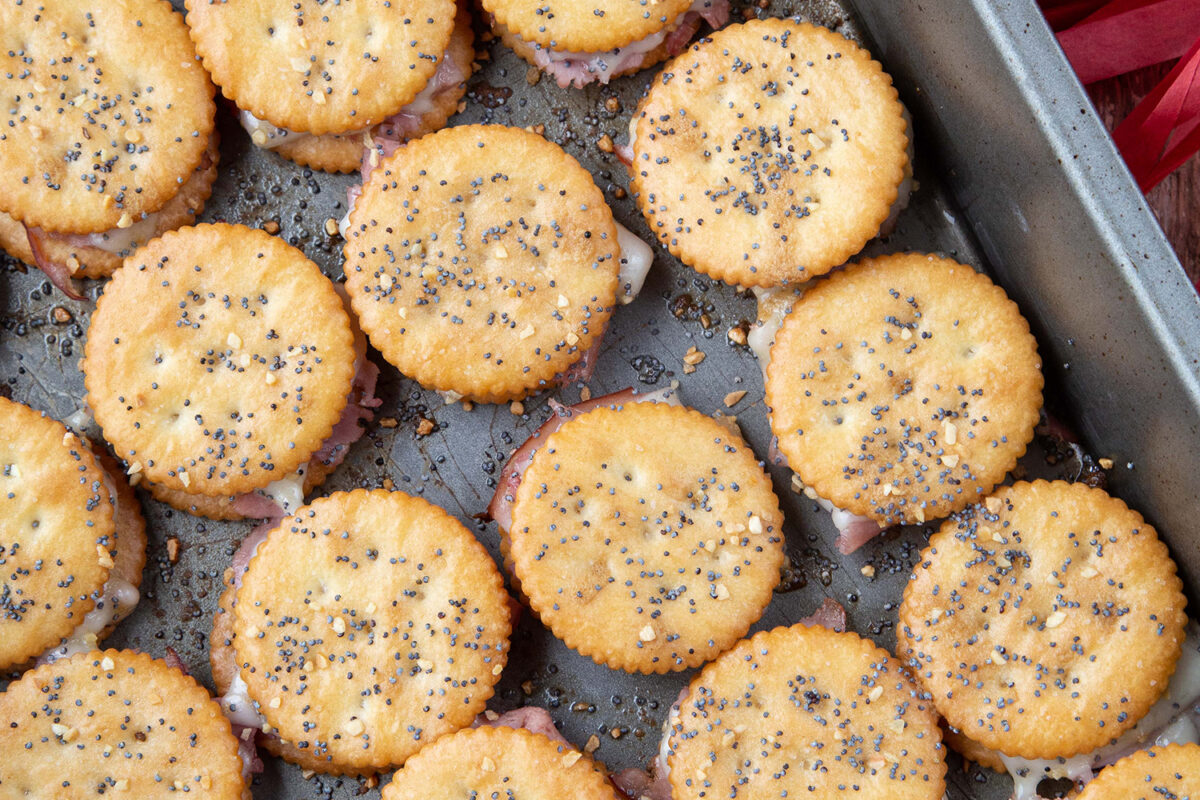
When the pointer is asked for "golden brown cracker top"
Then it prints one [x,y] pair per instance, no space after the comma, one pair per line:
[585,27]
[647,536]
[218,360]
[1160,773]
[321,67]
[1045,621]
[805,712]
[115,721]
[58,541]
[904,387]
[95,133]
[368,625]
[499,762]
[482,260]
[770,153]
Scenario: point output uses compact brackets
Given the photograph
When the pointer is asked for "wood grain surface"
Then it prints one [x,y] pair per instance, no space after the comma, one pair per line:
[1175,201]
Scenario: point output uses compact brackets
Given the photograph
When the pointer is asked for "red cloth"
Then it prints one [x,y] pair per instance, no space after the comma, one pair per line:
[1103,38]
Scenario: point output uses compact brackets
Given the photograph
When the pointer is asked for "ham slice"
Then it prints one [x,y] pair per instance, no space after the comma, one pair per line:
[640,784]
[829,614]
[530,718]
[247,549]
[174,661]
[59,274]
[579,69]
[500,507]
[359,408]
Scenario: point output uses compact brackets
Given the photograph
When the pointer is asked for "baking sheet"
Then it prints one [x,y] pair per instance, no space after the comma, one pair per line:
[455,466]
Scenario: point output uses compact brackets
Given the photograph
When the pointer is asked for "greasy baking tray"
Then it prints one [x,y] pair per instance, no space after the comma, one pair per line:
[1016,176]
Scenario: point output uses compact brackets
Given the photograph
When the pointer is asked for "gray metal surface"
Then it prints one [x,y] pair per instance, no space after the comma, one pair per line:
[456,464]
[1067,232]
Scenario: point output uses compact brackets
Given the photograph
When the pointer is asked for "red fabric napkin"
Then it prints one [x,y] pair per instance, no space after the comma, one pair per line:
[1103,38]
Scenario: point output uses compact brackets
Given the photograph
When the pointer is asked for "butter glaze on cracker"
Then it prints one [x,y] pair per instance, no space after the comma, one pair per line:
[115,722]
[499,762]
[1045,621]
[769,153]
[482,260]
[218,360]
[366,626]
[1160,773]
[95,134]
[904,387]
[58,540]
[805,712]
[646,536]
[321,67]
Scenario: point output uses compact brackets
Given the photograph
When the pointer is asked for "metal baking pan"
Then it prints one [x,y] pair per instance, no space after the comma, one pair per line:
[1016,176]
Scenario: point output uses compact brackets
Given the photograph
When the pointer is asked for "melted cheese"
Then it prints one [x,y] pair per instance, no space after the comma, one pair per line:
[636,260]
[602,66]
[117,600]
[237,705]
[773,307]
[288,491]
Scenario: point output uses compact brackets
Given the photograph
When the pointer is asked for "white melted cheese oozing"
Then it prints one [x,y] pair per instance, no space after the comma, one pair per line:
[288,491]
[636,259]
[119,240]
[118,597]
[237,705]
[774,304]
[117,600]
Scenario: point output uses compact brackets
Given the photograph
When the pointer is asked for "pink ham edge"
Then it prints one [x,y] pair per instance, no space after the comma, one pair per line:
[530,718]
[654,784]
[580,69]
[830,614]
[637,784]
[853,531]
[500,507]
[59,274]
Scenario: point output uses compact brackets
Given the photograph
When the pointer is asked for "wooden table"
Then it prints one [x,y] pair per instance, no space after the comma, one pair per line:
[1175,201]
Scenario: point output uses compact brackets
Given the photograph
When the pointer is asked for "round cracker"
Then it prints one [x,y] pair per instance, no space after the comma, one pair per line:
[805,711]
[770,153]
[904,387]
[499,762]
[336,152]
[234,368]
[482,260]
[1045,621]
[368,625]
[318,67]
[647,558]
[84,259]
[584,27]
[58,540]
[97,133]
[115,721]
[1160,773]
